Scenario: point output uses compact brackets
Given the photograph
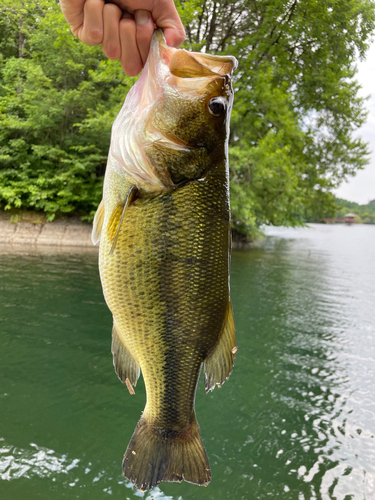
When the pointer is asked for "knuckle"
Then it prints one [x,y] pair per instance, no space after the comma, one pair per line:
[127,24]
[112,9]
[95,35]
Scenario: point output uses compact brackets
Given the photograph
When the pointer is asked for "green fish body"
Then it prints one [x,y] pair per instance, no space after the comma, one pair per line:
[164,230]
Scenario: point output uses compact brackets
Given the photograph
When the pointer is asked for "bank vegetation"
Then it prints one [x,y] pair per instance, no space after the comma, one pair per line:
[293,127]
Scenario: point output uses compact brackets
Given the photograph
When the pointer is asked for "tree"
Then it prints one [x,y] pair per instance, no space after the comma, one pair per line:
[58,100]
[364,213]
[292,133]
[296,103]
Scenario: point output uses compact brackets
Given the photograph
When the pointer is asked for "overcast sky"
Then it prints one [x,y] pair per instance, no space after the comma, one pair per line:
[361,188]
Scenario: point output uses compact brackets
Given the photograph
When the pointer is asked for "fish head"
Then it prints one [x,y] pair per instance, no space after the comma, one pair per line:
[176,116]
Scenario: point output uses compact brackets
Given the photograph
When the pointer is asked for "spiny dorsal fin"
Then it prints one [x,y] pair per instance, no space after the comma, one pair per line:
[98,224]
[116,219]
[219,363]
[126,367]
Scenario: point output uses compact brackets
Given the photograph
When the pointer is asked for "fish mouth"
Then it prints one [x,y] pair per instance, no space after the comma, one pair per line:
[189,74]
[185,64]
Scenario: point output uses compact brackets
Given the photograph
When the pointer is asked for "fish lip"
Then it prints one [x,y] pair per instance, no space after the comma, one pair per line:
[197,65]
[189,73]
[159,56]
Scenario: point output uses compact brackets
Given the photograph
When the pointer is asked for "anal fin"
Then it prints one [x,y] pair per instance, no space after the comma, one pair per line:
[126,367]
[219,363]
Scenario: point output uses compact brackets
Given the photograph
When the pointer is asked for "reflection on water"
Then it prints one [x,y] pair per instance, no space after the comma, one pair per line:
[37,461]
[44,463]
[296,420]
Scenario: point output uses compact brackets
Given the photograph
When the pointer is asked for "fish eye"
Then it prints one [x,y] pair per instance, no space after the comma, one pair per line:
[217,106]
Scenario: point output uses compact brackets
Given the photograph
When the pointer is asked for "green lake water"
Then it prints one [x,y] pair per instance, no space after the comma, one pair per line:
[296,420]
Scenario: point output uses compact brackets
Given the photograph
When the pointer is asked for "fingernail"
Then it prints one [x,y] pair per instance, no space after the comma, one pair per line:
[142,16]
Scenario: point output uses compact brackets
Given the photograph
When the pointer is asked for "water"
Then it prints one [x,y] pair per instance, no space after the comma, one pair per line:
[296,420]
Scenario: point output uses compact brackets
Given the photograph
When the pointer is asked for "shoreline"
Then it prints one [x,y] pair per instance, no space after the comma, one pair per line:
[63,235]
[60,233]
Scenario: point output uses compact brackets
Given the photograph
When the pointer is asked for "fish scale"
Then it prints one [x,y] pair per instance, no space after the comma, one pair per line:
[170,301]
[164,266]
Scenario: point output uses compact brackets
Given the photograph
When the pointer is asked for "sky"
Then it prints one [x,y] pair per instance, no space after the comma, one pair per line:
[361,188]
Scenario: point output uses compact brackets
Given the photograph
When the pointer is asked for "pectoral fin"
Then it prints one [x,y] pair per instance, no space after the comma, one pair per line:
[117,217]
[126,367]
[98,224]
[219,363]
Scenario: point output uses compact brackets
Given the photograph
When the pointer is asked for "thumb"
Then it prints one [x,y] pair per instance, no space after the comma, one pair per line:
[166,17]
[174,36]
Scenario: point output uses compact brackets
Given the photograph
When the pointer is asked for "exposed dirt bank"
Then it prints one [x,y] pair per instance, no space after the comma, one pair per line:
[32,230]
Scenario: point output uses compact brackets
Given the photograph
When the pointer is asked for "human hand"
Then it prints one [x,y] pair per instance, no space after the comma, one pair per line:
[124,27]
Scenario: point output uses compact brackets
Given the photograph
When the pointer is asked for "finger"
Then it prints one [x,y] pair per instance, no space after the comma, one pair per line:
[131,61]
[175,36]
[166,17]
[73,12]
[164,14]
[91,32]
[111,40]
[144,30]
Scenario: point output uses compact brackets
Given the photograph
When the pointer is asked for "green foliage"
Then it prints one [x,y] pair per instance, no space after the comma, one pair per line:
[59,98]
[364,213]
[296,104]
[292,132]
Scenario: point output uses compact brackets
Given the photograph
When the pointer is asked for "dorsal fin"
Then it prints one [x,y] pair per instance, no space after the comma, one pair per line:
[219,363]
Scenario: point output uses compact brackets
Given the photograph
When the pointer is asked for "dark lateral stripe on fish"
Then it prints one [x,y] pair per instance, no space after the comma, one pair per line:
[175,373]
[172,387]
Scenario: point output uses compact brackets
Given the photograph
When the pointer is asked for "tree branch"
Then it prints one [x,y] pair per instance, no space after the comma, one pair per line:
[212,28]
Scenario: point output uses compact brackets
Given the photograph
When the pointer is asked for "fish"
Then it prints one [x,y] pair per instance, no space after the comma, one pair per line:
[163,228]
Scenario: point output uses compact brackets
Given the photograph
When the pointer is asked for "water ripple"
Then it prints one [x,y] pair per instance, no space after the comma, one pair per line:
[16,463]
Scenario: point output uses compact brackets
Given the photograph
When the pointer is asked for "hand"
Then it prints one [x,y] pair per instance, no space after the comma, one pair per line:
[124,27]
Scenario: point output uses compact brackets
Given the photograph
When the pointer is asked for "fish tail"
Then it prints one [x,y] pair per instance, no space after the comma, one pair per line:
[154,455]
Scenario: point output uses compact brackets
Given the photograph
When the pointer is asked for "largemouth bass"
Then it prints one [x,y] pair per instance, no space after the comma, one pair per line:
[164,231]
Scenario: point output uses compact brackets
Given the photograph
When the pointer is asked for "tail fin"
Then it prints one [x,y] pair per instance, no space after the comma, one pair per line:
[154,455]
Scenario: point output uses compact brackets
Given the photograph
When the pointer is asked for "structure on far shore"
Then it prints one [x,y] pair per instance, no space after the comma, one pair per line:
[349,218]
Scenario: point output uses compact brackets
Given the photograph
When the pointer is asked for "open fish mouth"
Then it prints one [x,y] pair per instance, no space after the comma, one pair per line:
[188,74]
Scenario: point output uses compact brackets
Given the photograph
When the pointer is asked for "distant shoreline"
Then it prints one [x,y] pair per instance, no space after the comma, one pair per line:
[30,232]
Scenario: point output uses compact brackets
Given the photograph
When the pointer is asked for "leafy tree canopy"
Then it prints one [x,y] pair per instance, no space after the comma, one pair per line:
[296,104]
[58,99]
